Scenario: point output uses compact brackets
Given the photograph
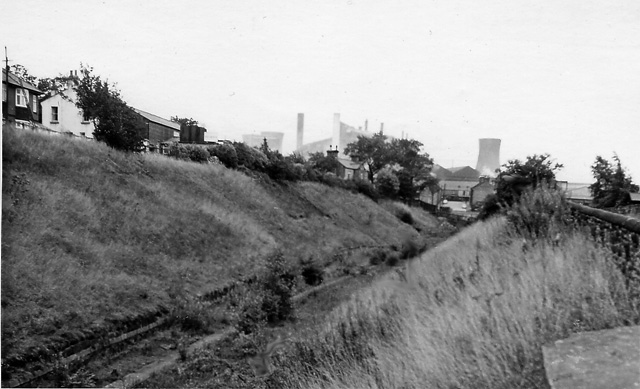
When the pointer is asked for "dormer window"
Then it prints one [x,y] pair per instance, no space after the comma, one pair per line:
[22,97]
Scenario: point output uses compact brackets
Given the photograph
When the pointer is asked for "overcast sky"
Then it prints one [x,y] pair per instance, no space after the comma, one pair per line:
[545,76]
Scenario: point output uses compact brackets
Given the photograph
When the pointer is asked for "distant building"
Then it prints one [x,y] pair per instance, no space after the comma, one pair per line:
[19,99]
[577,192]
[274,139]
[480,192]
[342,135]
[348,169]
[60,113]
[158,129]
[456,182]
[192,134]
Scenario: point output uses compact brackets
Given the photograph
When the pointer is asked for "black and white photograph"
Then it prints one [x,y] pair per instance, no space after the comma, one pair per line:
[339,194]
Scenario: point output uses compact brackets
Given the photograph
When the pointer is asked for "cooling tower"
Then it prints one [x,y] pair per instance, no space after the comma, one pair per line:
[488,157]
[274,139]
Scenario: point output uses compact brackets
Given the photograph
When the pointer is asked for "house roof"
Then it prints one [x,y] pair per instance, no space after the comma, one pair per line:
[17,81]
[482,184]
[157,119]
[635,197]
[464,172]
[349,164]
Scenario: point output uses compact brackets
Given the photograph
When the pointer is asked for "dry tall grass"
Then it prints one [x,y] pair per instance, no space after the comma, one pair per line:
[472,313]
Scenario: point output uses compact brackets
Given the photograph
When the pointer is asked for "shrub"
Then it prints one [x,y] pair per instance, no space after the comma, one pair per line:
[251,158]
[270,299]
[226,154]
[178,151]
[405,216]
[189,152]
[379,256]
[392,259]
[410,249]
[539,213]
[366,188]
[278,168]
[387,183]
[312,273]
[198,153]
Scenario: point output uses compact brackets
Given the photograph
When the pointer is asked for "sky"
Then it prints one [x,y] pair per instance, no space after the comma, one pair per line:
[544,76]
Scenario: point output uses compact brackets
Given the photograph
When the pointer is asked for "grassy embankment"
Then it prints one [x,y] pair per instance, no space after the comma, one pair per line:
[93,238]
[471,313]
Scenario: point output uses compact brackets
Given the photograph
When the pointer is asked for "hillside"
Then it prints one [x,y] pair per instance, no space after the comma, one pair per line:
[93,238]
[473,312]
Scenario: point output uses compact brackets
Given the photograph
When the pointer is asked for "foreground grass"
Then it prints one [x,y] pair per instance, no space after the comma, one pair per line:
[92,237]
[472,313]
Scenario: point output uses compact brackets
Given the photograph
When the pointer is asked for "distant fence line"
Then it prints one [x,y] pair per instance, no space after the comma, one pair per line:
[619,233]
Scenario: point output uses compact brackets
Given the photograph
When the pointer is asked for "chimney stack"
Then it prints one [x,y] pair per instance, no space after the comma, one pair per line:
[488,157]
[300,131]
[336,129]
[366,124]
[381,127]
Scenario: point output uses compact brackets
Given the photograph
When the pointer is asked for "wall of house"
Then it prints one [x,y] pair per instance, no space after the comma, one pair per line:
[480,193]
[9,108]
[69,116]
[460,188]
[159,133]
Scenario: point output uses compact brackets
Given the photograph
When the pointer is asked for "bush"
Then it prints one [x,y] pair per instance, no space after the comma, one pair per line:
[538,212]
[226,154]
[312,273]
[366,188]
[270,299]
[198,153]
[379,256]
[387,183]
[189,152]
[392,259]
[410,249]
[251,158]
[405,216]
[278,168]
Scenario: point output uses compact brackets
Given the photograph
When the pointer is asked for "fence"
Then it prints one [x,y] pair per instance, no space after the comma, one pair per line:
[616,232]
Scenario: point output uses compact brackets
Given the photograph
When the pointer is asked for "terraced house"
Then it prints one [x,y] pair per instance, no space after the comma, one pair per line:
[20,99]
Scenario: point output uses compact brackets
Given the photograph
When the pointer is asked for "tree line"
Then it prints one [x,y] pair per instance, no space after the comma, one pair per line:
[396,168]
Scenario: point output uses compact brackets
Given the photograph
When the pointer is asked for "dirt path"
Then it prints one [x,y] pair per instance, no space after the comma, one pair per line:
[172,357]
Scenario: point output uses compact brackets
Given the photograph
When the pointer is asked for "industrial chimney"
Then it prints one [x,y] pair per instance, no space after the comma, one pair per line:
[488,157]
[300,131]
[336,130]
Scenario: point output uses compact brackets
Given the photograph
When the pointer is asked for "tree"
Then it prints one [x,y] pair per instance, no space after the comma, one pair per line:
[116,124]
[323,162]
[185,121]
[415,168]
[387,183]
[516,176]
[372,151]
[612,185]
[23,73]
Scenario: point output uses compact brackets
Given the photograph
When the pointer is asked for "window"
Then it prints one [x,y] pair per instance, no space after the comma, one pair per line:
[4,92]
[22,97]
[54,114]
[34,104]
[85,118]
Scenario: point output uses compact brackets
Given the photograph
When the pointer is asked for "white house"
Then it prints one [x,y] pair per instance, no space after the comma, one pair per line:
[59,112]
